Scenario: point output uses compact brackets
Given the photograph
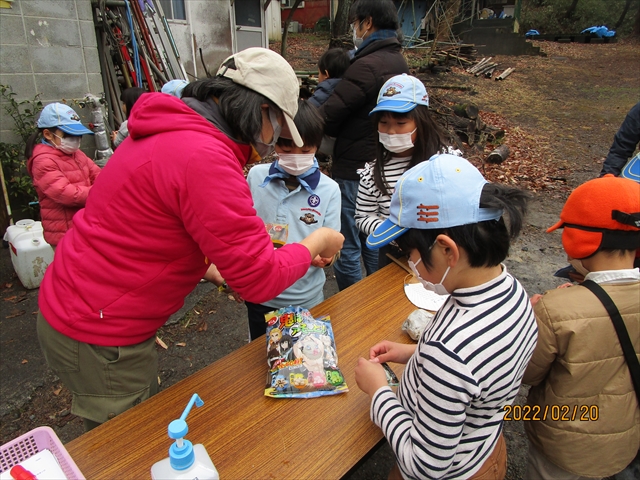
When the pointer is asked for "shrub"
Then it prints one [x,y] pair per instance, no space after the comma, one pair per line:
[14,167]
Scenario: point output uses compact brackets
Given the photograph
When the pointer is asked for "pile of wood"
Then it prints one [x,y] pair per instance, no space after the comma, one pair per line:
[463,121]
[487,68]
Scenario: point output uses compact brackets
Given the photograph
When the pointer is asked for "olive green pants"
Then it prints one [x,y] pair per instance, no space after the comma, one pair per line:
[104,381]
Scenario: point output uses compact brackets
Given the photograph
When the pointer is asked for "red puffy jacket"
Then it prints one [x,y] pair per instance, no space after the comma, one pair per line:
[62,182]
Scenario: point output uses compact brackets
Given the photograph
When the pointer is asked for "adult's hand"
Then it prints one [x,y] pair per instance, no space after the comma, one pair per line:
[324,241]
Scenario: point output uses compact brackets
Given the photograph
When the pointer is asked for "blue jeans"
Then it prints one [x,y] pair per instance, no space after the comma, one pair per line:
[347,267]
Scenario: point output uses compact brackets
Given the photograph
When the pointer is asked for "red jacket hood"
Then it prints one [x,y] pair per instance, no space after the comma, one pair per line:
[158,112]
[40,149]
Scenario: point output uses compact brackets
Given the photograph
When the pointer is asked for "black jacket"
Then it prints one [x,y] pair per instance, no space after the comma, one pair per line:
[323,91]
[624,143]
[346,112]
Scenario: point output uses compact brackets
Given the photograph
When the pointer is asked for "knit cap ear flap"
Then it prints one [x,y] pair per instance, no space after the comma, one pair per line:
[580,243]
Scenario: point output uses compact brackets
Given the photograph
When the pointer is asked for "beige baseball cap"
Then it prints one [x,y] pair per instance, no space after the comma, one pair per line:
[264,71]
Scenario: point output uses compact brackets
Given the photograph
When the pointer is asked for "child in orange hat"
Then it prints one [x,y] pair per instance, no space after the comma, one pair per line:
[583,408]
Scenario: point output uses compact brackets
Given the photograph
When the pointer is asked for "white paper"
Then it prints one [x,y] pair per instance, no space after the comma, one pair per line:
[43,465]
[423,298]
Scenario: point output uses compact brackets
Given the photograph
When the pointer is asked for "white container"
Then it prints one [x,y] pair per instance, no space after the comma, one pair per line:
[186,461]
[202,468]
[30,253]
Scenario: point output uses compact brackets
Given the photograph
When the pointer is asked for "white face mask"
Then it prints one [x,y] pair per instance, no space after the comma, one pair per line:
[68,145]
[438,287]
[580,268]
[295,163]
[397,143]
[266,149]
[357,41]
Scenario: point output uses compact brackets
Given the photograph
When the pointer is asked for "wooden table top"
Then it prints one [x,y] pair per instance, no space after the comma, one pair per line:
[248,435]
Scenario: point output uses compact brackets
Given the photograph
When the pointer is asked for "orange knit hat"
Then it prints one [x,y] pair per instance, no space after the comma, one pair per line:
[601,213]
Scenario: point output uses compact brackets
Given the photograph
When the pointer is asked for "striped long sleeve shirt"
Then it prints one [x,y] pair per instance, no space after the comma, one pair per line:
[447,415]
[372,206]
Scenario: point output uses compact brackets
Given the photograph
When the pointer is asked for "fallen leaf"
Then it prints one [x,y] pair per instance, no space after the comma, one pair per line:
[57,391]
[211,312]
[196,311]
[161,343]
[16,314]
[25,361]
[8,285]
[10,299]
[202,326]
[181,344]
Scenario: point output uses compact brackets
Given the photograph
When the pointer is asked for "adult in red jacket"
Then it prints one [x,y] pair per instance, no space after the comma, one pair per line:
[62,174]
[171,200]
[378,57]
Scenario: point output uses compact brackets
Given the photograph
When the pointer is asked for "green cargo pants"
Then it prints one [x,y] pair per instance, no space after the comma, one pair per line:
[104,381]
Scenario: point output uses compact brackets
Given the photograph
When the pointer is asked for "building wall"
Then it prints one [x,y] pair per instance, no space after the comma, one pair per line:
[208,27]
[48,47]
[308,15]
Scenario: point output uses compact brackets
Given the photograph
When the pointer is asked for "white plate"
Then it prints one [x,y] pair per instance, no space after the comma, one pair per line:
[422,298]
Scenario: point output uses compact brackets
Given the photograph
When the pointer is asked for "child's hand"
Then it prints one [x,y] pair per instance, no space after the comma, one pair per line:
[370,376]
[387,351]
[535,299]
[321,262]
[113,136]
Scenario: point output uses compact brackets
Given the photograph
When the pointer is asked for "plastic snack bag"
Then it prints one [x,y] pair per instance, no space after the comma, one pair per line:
[301,355]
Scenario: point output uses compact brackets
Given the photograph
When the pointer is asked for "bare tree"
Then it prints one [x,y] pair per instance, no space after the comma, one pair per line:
[285,34]
[341,22]
[571,10]
[623,14]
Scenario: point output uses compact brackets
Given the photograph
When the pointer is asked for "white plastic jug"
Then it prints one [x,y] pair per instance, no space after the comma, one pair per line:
[30,253]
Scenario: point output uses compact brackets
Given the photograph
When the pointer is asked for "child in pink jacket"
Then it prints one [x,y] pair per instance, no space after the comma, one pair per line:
[62,175]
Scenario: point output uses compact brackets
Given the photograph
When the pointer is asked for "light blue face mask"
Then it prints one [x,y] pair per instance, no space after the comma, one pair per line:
[266,149]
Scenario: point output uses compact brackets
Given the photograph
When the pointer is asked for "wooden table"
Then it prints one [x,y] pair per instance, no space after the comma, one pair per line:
[248,435]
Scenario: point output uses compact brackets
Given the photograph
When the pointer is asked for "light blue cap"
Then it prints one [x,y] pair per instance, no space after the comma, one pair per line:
[63,117]
[441,192]
[174,87]
[401,94]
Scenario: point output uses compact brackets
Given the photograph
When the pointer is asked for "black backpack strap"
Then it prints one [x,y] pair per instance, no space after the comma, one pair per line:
[621,330]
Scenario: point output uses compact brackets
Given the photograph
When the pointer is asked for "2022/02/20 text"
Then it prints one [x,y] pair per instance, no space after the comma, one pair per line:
[565,413]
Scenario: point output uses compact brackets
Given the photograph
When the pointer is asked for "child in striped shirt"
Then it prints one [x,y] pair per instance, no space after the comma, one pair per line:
[407,135]
[446,419]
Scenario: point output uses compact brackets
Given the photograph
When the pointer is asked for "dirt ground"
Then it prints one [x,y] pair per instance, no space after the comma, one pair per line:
[560,113]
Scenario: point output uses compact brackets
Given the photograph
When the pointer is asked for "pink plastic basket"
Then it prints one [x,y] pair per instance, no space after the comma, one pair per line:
[38,439]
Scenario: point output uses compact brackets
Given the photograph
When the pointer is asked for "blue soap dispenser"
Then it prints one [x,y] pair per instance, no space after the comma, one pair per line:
[185,461]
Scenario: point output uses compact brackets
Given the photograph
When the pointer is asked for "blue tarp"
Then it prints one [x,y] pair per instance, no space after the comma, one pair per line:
[531,33]
[601,31]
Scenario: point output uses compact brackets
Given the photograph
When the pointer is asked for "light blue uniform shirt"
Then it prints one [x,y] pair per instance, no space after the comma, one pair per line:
[303,213]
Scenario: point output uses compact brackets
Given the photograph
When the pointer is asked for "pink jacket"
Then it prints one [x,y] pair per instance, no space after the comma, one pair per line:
[172,197]
[62,182]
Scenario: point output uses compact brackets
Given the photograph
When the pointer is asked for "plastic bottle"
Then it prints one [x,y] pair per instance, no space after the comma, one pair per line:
[185,461]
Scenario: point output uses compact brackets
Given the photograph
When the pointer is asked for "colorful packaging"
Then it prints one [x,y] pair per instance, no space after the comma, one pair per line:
[301,354]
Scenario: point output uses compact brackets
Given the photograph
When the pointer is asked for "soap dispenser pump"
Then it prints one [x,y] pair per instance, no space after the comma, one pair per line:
[185,461]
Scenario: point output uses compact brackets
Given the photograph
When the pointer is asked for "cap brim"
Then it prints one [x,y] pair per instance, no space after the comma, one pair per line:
[385,233]
[74,129]
[297,139]
[397,106]
[560,224]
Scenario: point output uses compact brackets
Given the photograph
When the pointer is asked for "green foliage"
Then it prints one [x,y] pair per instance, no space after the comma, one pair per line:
[24,114]
[549,16]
